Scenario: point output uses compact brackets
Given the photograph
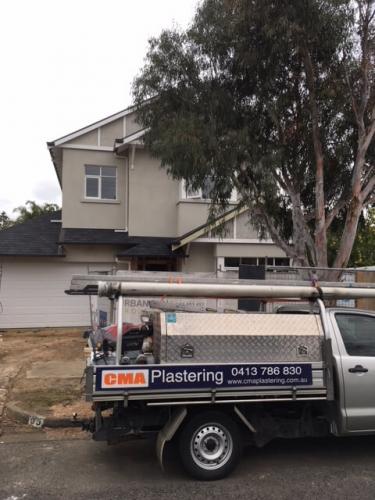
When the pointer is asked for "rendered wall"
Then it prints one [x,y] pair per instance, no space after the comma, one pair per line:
[191,214]
[201,259]
[152,198]
[248,250]
[79,212]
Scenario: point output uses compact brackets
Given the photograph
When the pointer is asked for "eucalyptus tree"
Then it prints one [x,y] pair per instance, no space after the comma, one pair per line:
[275,99]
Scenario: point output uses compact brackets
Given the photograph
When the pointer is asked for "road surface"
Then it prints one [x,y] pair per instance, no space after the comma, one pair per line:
[33,467]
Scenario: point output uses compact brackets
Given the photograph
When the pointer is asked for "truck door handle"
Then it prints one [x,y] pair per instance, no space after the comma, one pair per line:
[358,369]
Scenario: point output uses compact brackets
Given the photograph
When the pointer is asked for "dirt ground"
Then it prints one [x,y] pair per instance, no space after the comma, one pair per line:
[19,350]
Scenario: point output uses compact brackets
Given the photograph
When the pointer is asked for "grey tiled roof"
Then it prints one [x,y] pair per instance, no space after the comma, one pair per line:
[35,237]
[150,247]
[41,237]
[134,246]
[82,236]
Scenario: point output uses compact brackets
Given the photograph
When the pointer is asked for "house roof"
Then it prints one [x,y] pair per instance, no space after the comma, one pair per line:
[92,126]
[134,138]
[151,247]
[134,246]
[82,236]
[37,237]
[55,146]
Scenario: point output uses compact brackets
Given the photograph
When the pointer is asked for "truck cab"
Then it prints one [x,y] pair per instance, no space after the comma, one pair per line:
[353,349]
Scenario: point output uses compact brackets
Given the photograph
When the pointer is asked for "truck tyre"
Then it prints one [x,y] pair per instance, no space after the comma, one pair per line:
[210,445]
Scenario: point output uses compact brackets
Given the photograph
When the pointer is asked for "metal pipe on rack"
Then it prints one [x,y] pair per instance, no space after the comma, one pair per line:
[149,289]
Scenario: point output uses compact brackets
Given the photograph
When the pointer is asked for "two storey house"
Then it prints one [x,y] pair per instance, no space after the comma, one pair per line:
[120,210]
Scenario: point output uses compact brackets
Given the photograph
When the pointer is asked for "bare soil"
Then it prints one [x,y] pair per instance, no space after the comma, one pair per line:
[19,349]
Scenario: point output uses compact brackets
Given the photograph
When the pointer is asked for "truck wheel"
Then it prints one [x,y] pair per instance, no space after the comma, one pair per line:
[210,445]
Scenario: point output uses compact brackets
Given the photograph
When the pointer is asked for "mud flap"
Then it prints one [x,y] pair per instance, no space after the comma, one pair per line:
[168,431]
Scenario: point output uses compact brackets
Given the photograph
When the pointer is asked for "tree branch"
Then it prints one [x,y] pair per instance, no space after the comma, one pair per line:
[368,189]
[261,211]
[359,121]
[320,229]
[366,19]
[342,203]
[370,201]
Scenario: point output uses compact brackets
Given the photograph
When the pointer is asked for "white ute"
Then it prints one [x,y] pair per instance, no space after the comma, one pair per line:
[213,382]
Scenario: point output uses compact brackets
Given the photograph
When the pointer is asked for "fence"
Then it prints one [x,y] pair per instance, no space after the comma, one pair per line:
[347,275]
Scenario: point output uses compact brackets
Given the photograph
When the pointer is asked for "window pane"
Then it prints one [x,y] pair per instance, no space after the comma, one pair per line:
[109,171]
[270,261]
[261,261]
[250,261]
[92,170]
[92,187]
[108,188]
[358,334]
[281,261]
[231,261]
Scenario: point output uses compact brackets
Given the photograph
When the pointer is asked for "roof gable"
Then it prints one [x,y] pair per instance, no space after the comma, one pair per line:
[93,126]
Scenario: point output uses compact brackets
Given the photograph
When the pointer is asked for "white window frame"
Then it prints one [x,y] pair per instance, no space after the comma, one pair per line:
[99,177]
[197,195]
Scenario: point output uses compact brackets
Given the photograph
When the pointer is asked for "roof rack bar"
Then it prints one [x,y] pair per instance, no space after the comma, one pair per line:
[225,290]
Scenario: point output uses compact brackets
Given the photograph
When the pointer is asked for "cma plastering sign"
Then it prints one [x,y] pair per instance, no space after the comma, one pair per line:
[154,377]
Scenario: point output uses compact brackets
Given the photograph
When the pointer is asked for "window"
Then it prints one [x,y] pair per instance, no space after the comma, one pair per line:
[358,333]
[278,261]
[234,262]
[203,193]
[192,194]
[100,182]
[231,261]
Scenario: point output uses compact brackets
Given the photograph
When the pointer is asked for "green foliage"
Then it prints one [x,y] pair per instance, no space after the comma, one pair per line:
[229,99]
[31,209]
[26,212]
[5,221]
[363,253]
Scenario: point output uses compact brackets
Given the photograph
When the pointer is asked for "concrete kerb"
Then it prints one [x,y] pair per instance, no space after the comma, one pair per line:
[38,421]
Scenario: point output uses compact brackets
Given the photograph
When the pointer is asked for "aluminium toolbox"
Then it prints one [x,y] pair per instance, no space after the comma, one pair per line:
[237,338]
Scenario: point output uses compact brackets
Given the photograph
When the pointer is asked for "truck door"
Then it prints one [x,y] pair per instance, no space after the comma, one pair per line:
[356,341]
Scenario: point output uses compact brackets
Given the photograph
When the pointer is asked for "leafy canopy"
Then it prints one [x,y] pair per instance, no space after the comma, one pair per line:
[26,212]
[258,95]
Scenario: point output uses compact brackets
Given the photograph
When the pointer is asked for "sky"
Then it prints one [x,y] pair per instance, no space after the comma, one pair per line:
[64,65]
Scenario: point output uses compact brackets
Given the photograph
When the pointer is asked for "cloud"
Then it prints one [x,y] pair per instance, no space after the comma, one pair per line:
[47,192]
[6,206]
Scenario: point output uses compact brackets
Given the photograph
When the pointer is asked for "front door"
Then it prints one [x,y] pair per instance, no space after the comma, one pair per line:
[356,340]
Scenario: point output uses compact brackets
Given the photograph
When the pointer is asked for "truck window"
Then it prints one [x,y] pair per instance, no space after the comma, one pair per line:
[358,333]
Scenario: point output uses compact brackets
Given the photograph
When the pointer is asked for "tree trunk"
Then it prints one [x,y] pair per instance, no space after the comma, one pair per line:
[320,221]
[349,233]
